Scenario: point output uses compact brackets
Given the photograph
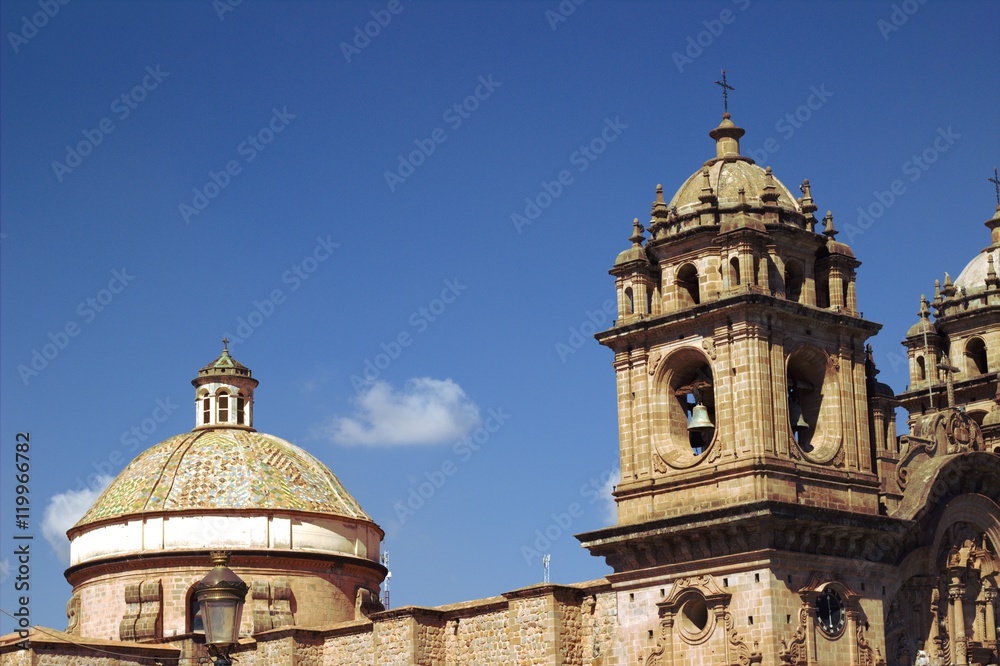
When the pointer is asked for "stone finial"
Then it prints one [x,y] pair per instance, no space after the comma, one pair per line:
[828,229]
[707,196]
[924,312]
[991,273]
[659,214]
[937,292]
[637,238]
[743,198]
[706,182]
[806,201]
[769,193]
[949,287]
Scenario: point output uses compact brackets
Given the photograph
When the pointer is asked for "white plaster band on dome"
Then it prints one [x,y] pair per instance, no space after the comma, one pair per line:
[274,532]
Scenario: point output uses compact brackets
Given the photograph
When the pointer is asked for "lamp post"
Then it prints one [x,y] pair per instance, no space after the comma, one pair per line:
[221,595]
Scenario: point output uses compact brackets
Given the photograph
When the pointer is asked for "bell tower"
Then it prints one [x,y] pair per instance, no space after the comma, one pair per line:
[739,350]
[751,428]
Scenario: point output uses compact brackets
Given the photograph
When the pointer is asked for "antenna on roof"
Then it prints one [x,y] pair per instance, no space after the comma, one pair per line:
[388,576]
[546,561]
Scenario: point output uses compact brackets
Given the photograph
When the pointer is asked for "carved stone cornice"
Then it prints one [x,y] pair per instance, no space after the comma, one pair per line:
[739,530]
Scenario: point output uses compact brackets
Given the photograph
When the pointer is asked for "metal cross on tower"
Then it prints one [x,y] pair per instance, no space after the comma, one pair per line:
[225,344]
[996,184]
[949,369]
[725,91]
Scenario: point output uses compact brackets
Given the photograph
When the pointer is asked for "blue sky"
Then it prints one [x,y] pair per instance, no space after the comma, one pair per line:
[173,172]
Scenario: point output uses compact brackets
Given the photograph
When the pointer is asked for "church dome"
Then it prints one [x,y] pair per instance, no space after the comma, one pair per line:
[224,483]
[223,469]
[727,174]
[983,265]
[973,276]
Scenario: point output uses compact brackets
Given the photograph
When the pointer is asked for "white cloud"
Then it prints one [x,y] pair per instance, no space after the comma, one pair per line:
[610,510]
[64,510]
[425,411]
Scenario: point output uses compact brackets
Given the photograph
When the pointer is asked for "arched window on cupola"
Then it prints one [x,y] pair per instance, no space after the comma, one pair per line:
[734,272]
[921,368]
[794,277]
[629,301]
[688,292]
[975,355]
[241,409]
[206,408]
[223,400]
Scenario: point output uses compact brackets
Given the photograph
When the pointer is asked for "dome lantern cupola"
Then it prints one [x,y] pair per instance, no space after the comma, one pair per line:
[727,138]
[224,393]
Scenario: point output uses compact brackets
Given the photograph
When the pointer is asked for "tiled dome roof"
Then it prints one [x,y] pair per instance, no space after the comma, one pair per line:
[222,468]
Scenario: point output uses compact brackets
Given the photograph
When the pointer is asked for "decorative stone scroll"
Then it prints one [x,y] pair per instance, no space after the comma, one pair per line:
[367,602]
[143,611]
[942,433]
[73,614]
[272,606]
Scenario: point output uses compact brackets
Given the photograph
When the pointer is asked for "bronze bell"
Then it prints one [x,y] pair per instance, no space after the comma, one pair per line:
[699,419]
[799,423]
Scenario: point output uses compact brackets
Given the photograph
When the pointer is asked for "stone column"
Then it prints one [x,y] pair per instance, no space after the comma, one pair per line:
[852,294]
[836,285]
[852,635]
[990,595]
[956,591]
[811,635]
[667,631]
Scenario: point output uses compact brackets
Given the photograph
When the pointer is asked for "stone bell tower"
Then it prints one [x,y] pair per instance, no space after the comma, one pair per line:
[747,434]
[738,312]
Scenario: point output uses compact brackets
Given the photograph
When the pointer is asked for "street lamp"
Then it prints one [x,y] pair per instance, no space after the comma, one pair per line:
[221,595]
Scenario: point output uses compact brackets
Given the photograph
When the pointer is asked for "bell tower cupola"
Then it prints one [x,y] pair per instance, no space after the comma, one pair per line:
[224,393]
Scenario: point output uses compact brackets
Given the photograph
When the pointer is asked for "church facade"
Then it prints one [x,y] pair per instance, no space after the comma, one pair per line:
[767,512]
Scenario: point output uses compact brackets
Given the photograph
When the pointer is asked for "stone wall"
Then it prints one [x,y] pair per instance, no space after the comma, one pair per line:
[747,609]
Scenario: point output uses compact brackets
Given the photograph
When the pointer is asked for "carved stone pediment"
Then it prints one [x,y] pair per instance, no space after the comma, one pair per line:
[943,433]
